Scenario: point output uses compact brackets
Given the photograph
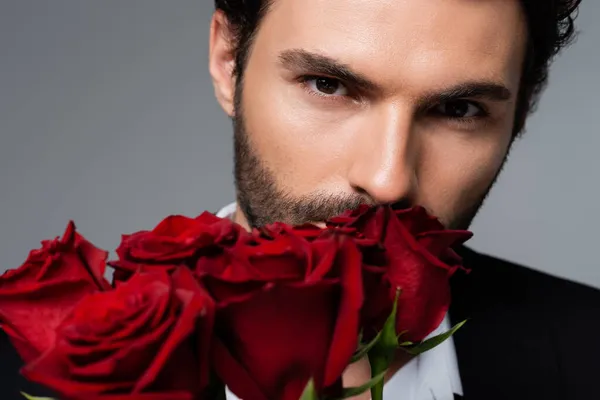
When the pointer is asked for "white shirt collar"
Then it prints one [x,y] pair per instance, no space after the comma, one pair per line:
[432,375]
[227,211]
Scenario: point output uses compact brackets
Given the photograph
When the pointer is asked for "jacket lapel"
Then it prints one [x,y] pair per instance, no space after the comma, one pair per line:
[503,350]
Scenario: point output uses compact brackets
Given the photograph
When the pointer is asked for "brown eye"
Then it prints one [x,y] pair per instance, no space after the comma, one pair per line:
[459,109]
[326,86]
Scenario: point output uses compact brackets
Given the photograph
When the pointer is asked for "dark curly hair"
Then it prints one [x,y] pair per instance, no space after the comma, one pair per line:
[550,24]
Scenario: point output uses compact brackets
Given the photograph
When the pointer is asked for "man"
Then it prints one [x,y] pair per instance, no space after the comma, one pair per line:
[341,102]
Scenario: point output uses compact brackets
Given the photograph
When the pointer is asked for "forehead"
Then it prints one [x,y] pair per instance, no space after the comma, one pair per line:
[410,42]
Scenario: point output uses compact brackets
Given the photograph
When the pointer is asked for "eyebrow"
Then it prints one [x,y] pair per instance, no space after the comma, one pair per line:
[319,64]
[298,59]
[490,91]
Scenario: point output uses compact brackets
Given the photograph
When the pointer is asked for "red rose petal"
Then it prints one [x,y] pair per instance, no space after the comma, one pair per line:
[345,336]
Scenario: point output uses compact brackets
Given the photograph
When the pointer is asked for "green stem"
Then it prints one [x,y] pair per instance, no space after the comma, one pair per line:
[221,394]
[378,365]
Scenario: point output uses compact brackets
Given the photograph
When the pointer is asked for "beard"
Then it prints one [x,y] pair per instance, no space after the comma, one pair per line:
[263,202]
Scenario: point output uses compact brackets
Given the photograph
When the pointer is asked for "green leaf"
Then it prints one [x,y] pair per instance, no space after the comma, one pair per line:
[310,393]
[429,344]
[355,391]
[29,397]
[364,349]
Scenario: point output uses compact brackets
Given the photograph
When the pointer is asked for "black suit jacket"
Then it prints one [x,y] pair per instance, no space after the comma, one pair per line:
[529,336]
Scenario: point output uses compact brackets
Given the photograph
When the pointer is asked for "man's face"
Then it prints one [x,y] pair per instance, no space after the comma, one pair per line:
[372,101]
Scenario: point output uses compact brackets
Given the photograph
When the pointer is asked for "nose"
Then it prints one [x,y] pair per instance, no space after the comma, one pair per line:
[384,168]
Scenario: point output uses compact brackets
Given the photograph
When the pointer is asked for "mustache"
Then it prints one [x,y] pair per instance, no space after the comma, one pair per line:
[322,207]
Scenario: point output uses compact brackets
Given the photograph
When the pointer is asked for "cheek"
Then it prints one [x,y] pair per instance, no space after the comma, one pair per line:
[456,173]
[304,146]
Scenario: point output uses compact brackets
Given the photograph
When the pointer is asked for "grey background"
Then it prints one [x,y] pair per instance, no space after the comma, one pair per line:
[107,117]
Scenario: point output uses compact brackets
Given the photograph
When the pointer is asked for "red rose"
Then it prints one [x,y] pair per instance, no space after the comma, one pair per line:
[294,314]
[175,241]
[407,250]
[146,339]
[35,297]
[307,231]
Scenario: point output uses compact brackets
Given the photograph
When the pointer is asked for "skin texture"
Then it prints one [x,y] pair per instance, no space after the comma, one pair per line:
[408,132]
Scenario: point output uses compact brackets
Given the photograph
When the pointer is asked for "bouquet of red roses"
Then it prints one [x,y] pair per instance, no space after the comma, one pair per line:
[200,304]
